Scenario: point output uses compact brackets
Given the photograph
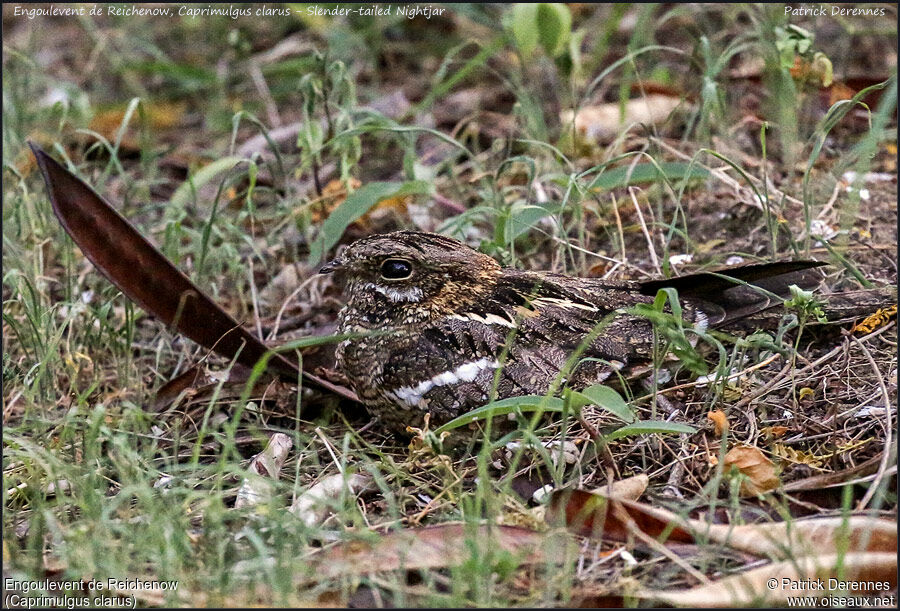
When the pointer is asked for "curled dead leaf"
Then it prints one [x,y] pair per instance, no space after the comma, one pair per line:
[439,546]
[774,431]
[598,516]
[630,488]
[604,122]
[858,533]
[315,504]
[593,515]
[264,467]
[776,583]
[761,473]
[719,420]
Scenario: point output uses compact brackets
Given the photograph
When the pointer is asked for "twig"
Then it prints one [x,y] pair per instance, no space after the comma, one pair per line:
[623,515]
[327,443]
[274,332]
[728,180]
[448,204]
[652,249]
[828,206]
[888,426]
[727,378]
[621,232]
[254,296]
[260,83]
[777,379]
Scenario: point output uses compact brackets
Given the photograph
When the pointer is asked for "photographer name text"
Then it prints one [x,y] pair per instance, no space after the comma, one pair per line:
[832,10]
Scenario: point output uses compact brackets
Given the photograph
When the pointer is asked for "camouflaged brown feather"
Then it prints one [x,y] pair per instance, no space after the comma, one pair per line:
[441,328]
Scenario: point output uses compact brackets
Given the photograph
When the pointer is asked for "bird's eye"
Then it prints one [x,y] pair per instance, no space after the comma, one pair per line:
[396,269]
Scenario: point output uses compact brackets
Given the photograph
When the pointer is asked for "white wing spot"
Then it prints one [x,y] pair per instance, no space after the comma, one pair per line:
[442,379]
[562,303]
[412,395]
[701,324]
[490,319]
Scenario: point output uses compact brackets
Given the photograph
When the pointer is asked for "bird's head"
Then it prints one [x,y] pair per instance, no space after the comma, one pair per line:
[410,276]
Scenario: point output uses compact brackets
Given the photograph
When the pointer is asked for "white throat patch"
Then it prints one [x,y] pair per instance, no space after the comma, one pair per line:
[412,395]
[409,295]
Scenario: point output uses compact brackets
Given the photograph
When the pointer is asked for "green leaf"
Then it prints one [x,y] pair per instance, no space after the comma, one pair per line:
[512,405]
[357,204]
[317,340]
[207,173]
[554,26]
[605,398]
[821,65]
[190,77]
[647,172]
[523,23]
[522,218]
[643,427]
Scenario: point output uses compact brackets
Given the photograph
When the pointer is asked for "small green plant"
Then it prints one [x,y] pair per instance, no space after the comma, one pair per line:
[669,325]
[547,24]
[329,97]
[806,305]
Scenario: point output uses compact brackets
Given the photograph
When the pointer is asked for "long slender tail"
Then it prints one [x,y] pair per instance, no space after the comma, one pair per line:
[733,294]
[851,305]
[748,295]
[148,278]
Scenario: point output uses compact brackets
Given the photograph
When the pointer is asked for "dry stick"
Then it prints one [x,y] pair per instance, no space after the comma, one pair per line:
[328,447]
[676,475]
[619,229]
[779,378]
[827,207]
[429,507]
[274,333]
[727,378]
[655,545]
[448,204]
[882,467]
[254,296]
[260,83]
[616,262]
[650,247]
[728,180]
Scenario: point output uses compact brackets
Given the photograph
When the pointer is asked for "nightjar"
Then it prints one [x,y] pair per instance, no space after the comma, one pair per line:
[436,326]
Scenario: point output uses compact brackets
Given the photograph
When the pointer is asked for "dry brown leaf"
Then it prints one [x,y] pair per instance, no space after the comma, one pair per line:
[159,116]
[858,533]
[839,478]
[797,456]
[604,122]
[598,516]
[335,192]
[774,431]
[438,546]
[593,515]
[838,92]
[333,195]
[265,467]
[771,584]
[761,473]
[315,504]
[876,320]
[719,420]
[631,488]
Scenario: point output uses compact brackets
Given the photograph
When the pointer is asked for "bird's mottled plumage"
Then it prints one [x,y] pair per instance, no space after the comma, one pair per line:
[437,325]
